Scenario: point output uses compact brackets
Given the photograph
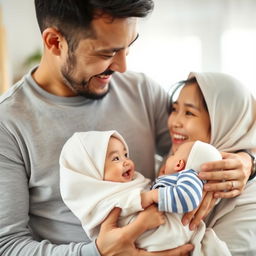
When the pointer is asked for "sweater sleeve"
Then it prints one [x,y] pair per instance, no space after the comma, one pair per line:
[16,237]
[180,192]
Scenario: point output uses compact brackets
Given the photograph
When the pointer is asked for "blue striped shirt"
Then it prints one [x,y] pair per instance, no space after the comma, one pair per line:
[179,192]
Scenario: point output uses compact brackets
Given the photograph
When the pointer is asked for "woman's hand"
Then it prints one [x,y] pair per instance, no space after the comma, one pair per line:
[226,179]
[116,241]
[193,218]
[228,176]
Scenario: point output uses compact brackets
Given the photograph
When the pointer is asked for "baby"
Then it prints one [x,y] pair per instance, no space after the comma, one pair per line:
[96,175]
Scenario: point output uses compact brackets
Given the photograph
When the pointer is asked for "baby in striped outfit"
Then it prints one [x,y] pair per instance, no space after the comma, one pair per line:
[179,189]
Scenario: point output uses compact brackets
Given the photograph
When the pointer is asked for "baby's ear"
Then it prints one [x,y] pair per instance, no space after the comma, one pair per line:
[180,165]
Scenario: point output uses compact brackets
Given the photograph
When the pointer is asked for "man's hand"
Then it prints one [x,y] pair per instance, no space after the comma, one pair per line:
[148,219]
[115,241]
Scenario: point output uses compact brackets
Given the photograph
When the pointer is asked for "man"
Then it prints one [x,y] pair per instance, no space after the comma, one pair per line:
[78,86]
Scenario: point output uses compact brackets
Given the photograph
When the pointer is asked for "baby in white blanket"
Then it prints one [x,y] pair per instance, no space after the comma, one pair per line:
[97,175]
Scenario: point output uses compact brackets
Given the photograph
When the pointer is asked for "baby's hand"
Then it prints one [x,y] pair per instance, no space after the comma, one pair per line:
[151,217]
[149,197]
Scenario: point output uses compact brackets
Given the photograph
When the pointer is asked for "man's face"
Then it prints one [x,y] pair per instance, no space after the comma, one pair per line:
[87,71]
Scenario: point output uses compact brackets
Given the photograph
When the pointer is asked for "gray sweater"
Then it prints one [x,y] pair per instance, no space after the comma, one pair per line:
[34,125]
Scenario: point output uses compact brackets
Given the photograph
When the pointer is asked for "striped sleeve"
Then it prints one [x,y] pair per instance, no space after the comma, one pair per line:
[180,192]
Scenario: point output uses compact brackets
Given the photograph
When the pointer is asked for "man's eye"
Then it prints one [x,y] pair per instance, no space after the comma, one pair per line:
[107,56]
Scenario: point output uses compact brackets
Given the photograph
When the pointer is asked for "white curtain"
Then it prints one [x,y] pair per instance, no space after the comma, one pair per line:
[199,35]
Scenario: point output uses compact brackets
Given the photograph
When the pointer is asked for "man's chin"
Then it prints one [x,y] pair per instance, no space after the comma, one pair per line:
[94,95]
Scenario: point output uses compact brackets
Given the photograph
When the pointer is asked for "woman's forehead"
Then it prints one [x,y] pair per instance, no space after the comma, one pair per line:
[191,94]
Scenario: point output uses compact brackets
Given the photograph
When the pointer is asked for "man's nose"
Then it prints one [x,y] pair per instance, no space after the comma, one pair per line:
[119,62]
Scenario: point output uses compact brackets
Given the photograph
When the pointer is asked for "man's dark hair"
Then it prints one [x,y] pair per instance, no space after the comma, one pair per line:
[73,17]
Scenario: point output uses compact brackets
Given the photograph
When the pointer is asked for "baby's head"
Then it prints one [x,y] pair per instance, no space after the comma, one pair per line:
[118,166]
[177,161]
[191,155]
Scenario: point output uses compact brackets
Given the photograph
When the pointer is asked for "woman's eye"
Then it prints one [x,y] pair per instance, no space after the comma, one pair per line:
[188,113]
[173,109]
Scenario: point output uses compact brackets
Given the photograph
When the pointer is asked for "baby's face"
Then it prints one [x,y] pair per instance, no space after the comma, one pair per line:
[118,167]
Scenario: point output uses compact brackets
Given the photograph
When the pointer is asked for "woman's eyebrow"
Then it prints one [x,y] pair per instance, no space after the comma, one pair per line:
[190,105]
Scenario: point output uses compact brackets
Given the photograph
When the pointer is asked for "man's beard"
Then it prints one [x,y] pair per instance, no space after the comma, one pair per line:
[81,87]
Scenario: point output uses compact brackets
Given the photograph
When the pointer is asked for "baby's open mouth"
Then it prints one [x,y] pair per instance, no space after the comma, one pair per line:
[127,174]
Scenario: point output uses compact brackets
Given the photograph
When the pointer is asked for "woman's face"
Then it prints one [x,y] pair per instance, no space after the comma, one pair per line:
[189,120]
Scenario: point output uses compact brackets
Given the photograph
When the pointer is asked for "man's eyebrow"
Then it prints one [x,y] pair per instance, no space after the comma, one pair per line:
[118,49]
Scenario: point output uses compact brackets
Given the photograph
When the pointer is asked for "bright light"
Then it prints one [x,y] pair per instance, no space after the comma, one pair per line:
[239,56]
[168,59]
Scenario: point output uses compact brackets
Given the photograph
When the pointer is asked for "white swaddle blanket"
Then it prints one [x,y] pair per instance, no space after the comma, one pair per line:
[91,198]
[81,181]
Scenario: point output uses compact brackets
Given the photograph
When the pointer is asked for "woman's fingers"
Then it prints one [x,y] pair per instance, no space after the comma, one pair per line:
[203,210]
[194,218]
[228,176]
[225,186]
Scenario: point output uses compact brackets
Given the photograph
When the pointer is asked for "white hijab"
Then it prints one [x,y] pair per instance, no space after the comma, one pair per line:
[82,186]
[232,110]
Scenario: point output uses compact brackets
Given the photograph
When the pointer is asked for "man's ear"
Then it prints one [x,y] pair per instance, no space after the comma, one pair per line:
[180,165]
[53,40]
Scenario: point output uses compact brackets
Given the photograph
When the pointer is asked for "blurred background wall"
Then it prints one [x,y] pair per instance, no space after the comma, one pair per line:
[179,36]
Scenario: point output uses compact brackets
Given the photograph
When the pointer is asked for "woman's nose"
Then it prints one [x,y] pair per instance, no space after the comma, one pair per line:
[175,121]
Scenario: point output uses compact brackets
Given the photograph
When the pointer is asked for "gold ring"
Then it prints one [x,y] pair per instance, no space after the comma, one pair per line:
[232,185]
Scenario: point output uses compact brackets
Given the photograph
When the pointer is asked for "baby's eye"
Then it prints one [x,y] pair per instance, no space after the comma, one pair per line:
[126,155]
[116,158]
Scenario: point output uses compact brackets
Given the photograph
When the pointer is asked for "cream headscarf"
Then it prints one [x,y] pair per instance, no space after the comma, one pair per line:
[232,110]
[82,186]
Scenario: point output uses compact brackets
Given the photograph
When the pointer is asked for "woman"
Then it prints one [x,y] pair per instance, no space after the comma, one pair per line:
[217,109]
